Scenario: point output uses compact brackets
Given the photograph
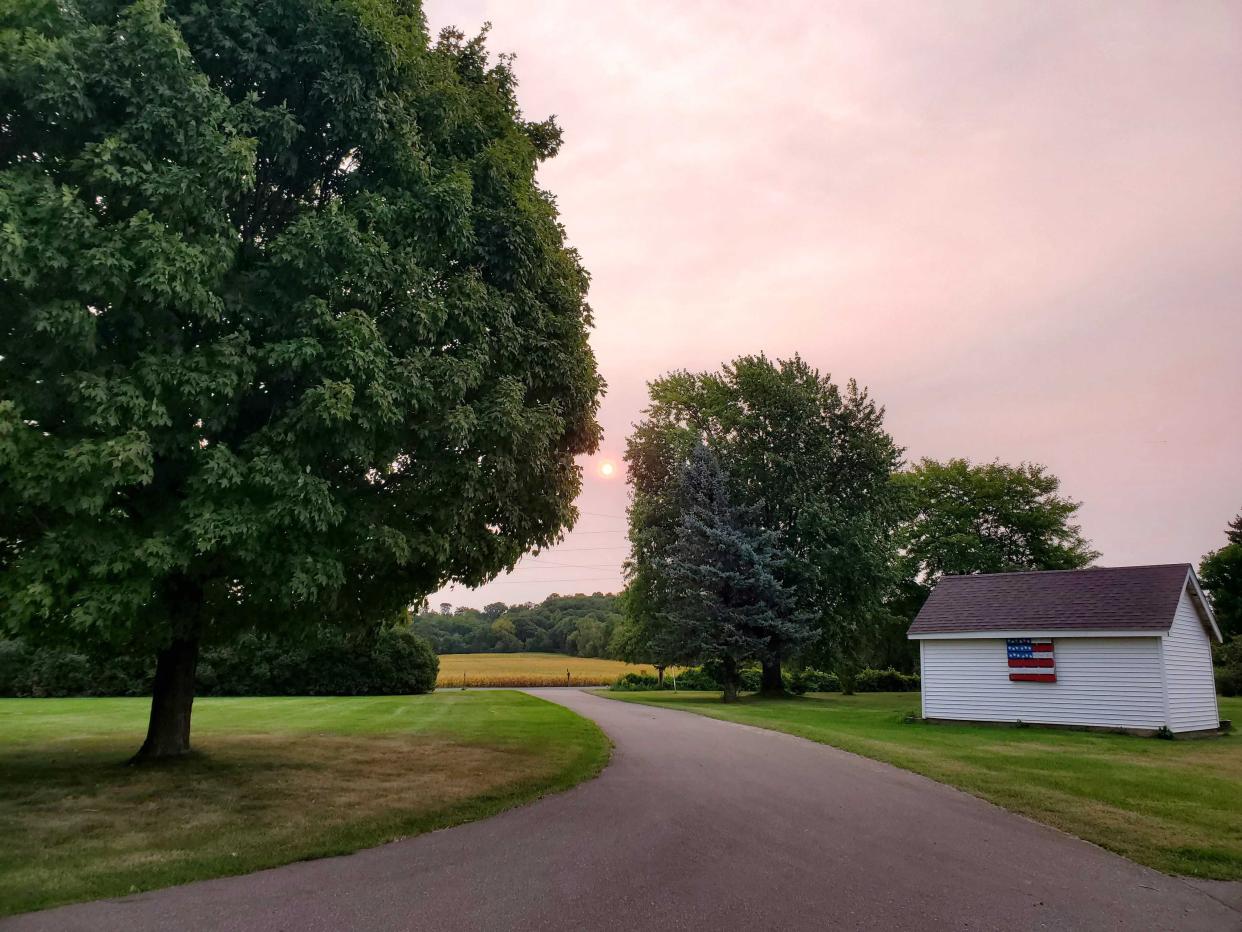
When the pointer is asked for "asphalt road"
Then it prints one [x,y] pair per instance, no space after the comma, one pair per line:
[698,824]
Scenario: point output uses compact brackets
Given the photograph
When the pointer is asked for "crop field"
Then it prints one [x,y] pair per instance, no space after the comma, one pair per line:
[464,670]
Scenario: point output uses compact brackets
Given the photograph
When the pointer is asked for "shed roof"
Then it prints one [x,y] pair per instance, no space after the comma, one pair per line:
[1123,598]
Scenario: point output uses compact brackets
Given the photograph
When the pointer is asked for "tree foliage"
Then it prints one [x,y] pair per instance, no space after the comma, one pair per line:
[988,518]
[289,330]
[726,600]
[1221,575]
[815,460]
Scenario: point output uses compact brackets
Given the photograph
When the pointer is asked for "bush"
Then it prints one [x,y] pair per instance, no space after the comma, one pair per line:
[697,678]
[809,680]
[323,661]
[15,662]
[636,682]
[885,681]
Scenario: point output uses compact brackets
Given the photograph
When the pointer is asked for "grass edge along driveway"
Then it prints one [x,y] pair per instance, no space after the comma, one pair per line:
[271,781]
[1172,805]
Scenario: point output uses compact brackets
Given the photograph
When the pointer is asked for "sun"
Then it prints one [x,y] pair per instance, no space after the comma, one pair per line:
[606,469]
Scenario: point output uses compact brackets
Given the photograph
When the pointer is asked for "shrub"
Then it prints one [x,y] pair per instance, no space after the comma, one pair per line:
[61,673]
[809,680]
[885,681]
[635,682]
[697,678]
[321,662]
[15,660]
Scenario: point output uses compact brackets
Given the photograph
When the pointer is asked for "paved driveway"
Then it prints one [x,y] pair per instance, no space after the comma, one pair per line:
[699,824]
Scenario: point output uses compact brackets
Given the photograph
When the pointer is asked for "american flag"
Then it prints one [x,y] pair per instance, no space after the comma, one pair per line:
[1030,661]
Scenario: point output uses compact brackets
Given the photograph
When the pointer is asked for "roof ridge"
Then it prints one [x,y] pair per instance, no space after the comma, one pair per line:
[1085,569]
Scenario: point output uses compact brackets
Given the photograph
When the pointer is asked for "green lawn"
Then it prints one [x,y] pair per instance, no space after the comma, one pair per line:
[271,781]
[1173,805]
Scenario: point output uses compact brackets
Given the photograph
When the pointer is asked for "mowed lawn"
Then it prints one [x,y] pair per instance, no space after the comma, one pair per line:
[531,669]
[271,781]
[1173,805]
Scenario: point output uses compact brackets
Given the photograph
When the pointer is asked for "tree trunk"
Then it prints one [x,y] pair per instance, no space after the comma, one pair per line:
[172,699]
[659,677]
[770,683]
[730,679]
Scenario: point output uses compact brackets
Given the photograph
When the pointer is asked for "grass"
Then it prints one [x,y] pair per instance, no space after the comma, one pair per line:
[1172,805]
[531,669]
[271,781]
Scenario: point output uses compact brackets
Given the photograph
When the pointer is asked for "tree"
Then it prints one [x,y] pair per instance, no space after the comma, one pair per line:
[991,518]
[290,333]
[728,602]
[1221,575]
[642,637]
[817,460]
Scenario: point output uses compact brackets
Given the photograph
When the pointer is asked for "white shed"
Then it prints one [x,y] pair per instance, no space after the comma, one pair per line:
[1126,647]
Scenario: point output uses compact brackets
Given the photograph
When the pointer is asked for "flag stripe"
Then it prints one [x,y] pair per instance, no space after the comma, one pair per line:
[1030,661]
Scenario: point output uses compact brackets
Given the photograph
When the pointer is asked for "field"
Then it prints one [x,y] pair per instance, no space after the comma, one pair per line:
[271,781]
[531,670]
[1173,805]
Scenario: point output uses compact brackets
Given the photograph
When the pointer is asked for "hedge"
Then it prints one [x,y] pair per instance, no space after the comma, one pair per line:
[806,680]
[323,662]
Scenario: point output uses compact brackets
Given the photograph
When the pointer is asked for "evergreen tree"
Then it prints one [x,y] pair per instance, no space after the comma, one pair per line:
[727,599]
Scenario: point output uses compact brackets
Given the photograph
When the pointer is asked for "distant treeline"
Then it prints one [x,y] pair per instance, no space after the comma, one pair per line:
[578,625]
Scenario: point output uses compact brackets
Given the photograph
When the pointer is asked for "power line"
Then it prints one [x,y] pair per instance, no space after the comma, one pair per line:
[584,549]
[579,566]
[543,582]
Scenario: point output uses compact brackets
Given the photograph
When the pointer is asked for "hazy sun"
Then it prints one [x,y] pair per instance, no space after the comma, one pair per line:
[606,469]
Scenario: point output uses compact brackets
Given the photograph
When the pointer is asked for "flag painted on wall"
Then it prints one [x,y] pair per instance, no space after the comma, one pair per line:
[1030,661]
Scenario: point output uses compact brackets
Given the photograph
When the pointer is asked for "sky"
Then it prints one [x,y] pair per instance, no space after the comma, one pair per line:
[1019,224]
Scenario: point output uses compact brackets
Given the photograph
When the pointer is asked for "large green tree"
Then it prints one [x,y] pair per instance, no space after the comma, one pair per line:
[288,331]
[813,457]
[988,518]
[1221,575]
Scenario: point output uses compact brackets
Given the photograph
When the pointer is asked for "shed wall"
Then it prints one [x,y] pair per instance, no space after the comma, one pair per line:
[1111,682]
[1188,672]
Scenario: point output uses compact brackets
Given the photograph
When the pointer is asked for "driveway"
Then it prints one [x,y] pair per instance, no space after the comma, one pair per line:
[699,824]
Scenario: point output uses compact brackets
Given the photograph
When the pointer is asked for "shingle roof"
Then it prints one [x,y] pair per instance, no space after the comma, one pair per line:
[1124,598]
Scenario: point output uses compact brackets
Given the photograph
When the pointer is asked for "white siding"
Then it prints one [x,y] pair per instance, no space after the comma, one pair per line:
[1114,682]
[1188,672]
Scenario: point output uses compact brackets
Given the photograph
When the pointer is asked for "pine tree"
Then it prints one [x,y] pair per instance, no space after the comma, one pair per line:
[727,601]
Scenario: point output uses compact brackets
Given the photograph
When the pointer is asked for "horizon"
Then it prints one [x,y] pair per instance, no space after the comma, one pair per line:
[1019,227]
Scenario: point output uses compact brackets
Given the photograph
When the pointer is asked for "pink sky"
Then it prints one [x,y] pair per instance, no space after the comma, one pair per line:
[1020,224]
